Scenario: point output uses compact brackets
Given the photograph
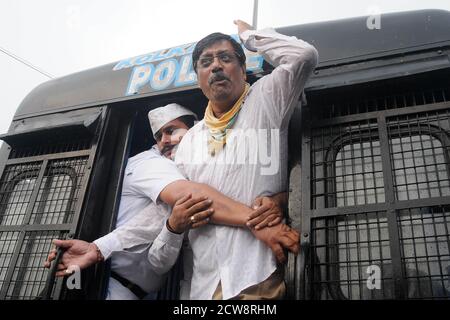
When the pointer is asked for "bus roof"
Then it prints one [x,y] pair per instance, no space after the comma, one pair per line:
[338,42]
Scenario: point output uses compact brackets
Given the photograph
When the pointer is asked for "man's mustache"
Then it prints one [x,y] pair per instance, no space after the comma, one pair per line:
[167,148]
[218,76]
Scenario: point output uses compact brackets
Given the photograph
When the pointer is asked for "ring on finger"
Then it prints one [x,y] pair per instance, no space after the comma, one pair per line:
[192,219]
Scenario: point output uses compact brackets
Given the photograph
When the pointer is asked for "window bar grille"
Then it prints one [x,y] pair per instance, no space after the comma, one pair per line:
[40,198]
[50,175]
[15,257]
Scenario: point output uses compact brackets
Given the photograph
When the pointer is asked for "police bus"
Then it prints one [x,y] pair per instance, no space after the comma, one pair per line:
[369,161]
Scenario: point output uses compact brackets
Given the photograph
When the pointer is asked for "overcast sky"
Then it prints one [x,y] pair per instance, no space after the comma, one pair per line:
[65,36]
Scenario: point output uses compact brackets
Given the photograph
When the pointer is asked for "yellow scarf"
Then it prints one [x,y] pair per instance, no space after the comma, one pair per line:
[218,128]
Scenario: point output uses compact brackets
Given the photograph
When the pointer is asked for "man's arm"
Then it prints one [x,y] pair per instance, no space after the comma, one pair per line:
[167,244]
[277,237]
[160,179]
[294,61]
[226,210]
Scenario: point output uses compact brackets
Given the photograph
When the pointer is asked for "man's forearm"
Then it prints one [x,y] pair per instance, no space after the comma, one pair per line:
[164,251]
[226,210]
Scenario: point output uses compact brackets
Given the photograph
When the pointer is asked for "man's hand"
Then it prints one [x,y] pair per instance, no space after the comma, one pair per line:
[190,212]
[77,253]
[279,237]
[242,26]
[268,212]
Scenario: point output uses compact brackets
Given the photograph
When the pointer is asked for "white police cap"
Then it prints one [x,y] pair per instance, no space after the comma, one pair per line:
[159,117]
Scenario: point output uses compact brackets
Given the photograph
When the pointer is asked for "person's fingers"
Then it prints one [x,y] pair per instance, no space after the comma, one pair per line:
[262,218]
[295,248]
[260,210]
[48,262]
[201,216]
[266,222]
[205,214]
[289,244]
[293,235]
[60,274]
[257,203]
[71,269]
[255,221]
[51,256]
[62,271]
[62,243]
[199,207]
[192,201]
[275,221]
[269,217]
[278,252]
[265,219]
[61,266]
[200,223]
[183,199]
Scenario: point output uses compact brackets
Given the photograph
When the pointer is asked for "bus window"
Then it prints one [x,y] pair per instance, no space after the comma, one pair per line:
[420,168]
[8,241]
[17,193]
[420,171]
[56,194]
[41,191]
[359,175]
[425,250]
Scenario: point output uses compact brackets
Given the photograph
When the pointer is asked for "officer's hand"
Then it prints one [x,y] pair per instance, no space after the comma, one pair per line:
[190,212]
[77,253]
[267,213]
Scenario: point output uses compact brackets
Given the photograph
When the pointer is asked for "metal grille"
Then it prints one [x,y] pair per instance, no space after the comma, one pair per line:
[419,154]
[29,276]
[8,241]
[58,145]
[425,245]
[346,165]
[365,101]
[378,167]
[59,191]
[16,187]
[40,198]
[342,250]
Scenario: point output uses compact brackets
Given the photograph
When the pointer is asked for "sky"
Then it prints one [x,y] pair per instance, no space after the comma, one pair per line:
[61,37]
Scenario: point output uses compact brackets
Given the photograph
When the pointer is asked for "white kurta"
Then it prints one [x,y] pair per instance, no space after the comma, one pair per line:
[253,163]
[140,222]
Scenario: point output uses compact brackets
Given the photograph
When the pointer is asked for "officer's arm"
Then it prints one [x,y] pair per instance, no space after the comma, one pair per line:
[226,210]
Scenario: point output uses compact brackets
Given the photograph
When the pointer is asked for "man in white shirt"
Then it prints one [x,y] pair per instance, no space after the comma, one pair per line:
[229,262]
[144,220]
